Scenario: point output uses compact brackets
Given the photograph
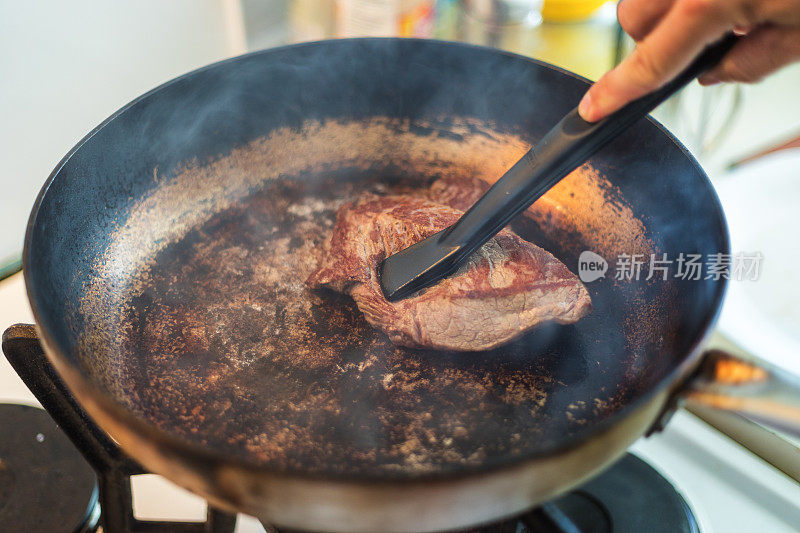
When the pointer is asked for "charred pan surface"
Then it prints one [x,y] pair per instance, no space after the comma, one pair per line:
[226,346]
[197,318]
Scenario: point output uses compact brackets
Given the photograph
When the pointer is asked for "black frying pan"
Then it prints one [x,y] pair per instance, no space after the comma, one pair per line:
[165,257]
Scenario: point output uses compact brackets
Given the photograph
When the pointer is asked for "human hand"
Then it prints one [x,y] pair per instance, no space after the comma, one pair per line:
[671,33]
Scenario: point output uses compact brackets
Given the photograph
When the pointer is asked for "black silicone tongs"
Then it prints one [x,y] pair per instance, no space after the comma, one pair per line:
[563,149]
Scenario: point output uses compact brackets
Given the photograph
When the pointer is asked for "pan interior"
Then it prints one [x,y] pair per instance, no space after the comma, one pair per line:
[213,335]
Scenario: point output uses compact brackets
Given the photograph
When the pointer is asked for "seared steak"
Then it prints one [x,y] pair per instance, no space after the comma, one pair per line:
[458,193]
[507,288]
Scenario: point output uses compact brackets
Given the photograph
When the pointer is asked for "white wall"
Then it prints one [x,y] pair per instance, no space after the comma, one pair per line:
[67,65]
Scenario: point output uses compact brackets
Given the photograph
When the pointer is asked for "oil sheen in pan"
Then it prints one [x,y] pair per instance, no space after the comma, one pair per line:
[227,347]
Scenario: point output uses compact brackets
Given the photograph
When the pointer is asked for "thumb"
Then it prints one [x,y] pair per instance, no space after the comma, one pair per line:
[643,71]
[680,36]
[636,76]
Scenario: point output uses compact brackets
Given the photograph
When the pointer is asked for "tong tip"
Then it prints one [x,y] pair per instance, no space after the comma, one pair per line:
[416,267]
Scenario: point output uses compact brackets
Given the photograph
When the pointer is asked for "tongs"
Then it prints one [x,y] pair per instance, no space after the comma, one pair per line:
[564,148]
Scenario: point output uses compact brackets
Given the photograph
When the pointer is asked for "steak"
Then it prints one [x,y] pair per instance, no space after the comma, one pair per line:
[458,193]
[506,288]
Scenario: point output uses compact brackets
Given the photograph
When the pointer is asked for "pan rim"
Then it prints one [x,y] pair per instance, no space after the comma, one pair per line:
[194,452]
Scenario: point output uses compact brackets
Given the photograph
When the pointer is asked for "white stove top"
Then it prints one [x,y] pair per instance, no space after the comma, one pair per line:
[729,489]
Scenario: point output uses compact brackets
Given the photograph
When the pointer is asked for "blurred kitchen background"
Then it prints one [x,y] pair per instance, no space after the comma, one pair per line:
[66,66]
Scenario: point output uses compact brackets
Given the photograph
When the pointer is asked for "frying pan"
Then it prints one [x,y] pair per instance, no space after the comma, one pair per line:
[165,260]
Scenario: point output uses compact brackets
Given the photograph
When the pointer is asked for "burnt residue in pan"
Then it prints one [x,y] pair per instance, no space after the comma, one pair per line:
[227,347]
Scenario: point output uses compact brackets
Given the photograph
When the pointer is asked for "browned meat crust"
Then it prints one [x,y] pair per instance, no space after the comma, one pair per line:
[507,288]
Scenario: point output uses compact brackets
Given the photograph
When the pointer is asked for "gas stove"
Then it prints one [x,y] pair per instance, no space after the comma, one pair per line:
[687,478]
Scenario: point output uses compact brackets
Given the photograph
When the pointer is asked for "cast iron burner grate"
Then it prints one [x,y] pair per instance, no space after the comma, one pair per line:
[48,486]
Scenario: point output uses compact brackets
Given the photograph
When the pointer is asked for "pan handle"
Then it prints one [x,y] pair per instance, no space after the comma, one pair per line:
[759,391]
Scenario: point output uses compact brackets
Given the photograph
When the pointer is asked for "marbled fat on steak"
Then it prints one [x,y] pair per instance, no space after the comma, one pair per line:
[506,288]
